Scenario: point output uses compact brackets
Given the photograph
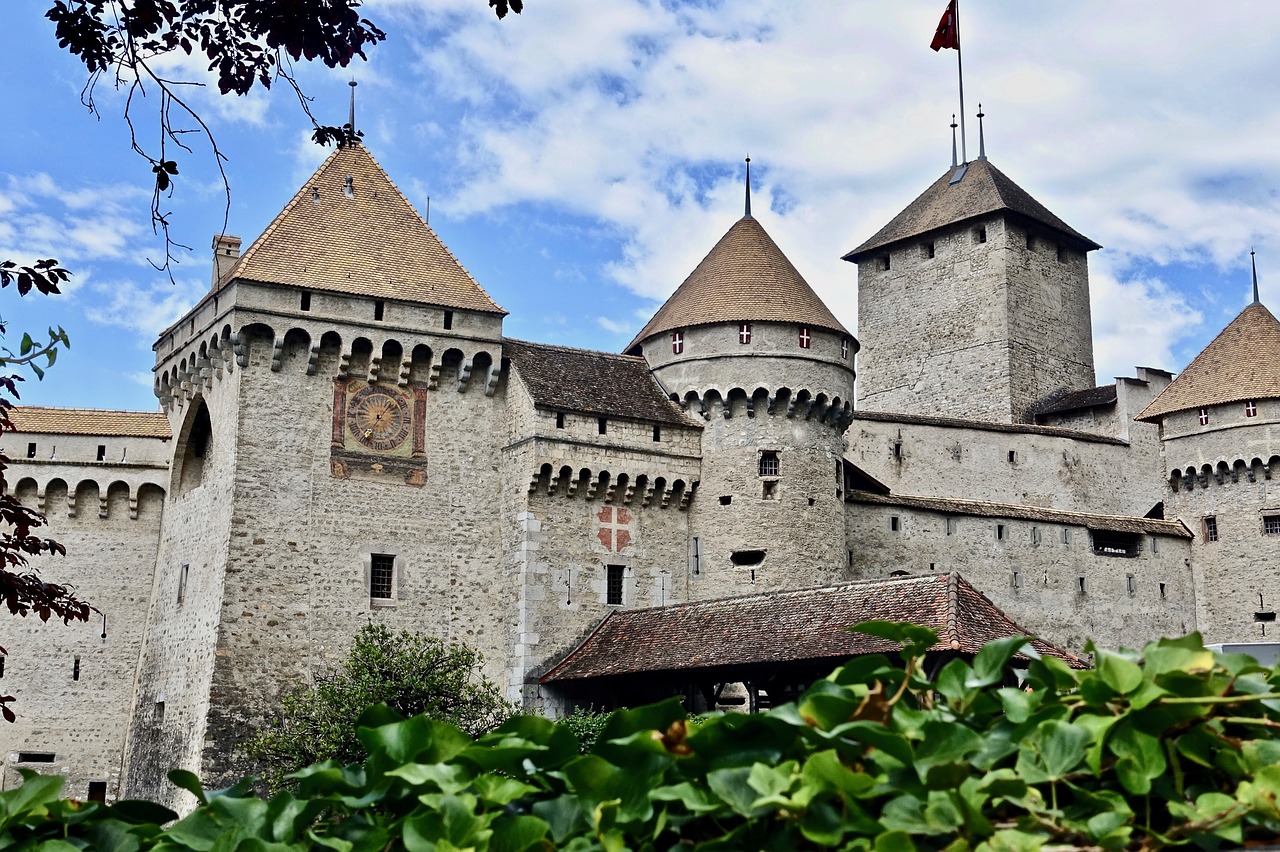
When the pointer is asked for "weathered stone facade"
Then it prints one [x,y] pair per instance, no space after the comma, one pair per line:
[354,440]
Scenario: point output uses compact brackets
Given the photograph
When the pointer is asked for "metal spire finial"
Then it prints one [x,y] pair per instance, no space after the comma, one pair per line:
[748,212]
[351,120]
[1254,264]
[982,139]
[955,156]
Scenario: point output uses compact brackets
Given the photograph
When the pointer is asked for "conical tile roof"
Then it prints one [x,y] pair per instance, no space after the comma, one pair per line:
[744,278]
[361,237]
[1242,362]
[983,190]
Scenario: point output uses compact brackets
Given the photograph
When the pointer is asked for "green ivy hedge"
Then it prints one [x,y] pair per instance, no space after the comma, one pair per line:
[1176,746]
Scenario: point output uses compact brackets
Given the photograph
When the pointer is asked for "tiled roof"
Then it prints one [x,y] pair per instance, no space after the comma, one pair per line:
[985,426]
[744,278]
[372,243]
[89,421]
[983,190]
[1076,400]
[790,626]
[947,506]
[1242,362]
[580,380]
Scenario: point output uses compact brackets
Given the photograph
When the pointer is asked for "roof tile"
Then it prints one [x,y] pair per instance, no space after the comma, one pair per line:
[89,421]
[370,243]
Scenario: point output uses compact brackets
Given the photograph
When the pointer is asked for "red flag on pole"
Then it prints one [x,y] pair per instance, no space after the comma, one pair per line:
[948,34]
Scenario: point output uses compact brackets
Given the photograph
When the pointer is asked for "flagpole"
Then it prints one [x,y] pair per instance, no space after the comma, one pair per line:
[964,147]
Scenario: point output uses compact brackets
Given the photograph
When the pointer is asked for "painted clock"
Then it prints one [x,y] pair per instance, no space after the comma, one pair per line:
[379,417]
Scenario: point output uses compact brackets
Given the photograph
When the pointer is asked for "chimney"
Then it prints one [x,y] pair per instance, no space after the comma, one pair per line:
[226,250]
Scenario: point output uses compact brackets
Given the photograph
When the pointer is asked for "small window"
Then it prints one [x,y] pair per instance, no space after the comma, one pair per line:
[1131,585]
[31,451]
[183,571]
[744,332]
[378,309]
[559,419]
[102,452]
[884,263]
[1013,457]
[448,319]
[1251,409]
[770,490]
[1080,587]
[657,432]
[1000,532]
[1035,536]
[768,463]
[725,500]
[928,250]
[897,451]
[744,558]
[1204,417]
[1016,580]
[602,425]
[805,337]
[980,234]
[895,523]
[1155,545]
[36,757]
[381,575]
[1031,242]
[1,665]
[613,585]
[1164,592]
[306,301]
[848,560]
[951,526]
[1271,524]
[1210,525]
[1265,616]
[97,791]
[159,712]
[75,669]
[1115,543]
[1062,254]
[677,342]
[1066,536]
[844,348]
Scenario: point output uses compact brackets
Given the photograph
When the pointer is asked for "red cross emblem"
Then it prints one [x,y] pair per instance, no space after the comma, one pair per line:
[615,532]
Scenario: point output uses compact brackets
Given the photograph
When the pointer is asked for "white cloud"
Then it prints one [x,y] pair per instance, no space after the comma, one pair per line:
[146,308]
[1136,322]
[613,326]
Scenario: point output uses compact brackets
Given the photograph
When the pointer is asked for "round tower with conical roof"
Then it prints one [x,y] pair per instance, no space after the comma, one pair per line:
[746,344]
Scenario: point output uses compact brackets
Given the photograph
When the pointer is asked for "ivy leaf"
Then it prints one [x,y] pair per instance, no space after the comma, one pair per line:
[1052,751]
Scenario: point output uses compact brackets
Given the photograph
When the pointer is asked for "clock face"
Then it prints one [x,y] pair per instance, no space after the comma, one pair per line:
[378,417]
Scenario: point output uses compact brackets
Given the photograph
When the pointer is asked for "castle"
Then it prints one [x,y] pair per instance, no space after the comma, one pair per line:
[345,435]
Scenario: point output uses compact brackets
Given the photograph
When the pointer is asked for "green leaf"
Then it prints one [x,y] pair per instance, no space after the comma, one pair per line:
[990,663]
[501,791]
[946,742]
[518,833]
[894,841]
[26,345]
[1122,675]
[139,811]
[734,789]
[1185,655]
[1141,758]
[188,781]
[915,640]
[1052,751]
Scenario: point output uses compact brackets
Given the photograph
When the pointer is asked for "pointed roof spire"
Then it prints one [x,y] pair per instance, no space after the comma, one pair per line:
[982,139]
[748,213]
[352,135]
[1254,264]
[955,154]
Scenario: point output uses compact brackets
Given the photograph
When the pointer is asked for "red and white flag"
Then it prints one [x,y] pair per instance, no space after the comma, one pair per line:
[948,34]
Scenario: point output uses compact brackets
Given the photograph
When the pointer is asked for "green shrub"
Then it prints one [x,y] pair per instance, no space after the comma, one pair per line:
[1178,747]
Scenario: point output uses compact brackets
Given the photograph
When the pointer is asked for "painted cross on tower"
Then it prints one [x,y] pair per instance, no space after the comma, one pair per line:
[615,528]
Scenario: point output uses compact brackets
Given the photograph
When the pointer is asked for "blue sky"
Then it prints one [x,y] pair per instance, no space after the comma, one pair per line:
[582,157]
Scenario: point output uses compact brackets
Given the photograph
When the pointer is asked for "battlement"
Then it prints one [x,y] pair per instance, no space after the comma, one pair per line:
[779,402]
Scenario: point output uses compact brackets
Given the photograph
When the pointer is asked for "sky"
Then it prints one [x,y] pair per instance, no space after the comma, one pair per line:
[581,158]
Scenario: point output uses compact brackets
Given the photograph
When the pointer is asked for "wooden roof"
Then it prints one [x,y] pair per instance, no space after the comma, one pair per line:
[982,191]
[981,508]
[89,421]
[788,626]
[744,278]
[1241,363]
[563,379]
[370,242]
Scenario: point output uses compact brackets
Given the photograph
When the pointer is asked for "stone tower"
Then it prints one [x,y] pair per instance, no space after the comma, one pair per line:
[337,421]
[1222,458]
[746,344]
[973,302]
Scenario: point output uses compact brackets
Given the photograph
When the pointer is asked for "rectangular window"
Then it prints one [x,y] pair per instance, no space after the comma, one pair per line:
[768,463]
[36,757]
[559,419]
[159,712]
[1080,588]
[306,301]
[1017,580]
[75,669]
[744,332]
[1066,535]
[657,432]
[1163,591]
[1271,524]
[805,337]
[1155,545]
[613,585]
[928,250]
[602,425]
[895,523]
[1062,255]
[1000,532]
[695,555]
[1035,536]
[951,526]
[1210,528]
[1131,584]
[31,451]
[844,348]
[1204,417]
[1251,409]
[382,568]
[97,791]
[770,490]
[1013,457]
[677,342]
[448,319]
[183,571]
[1113,543]
[726,499]
[102,452]
[980,235]
[884,263]
[378,309]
